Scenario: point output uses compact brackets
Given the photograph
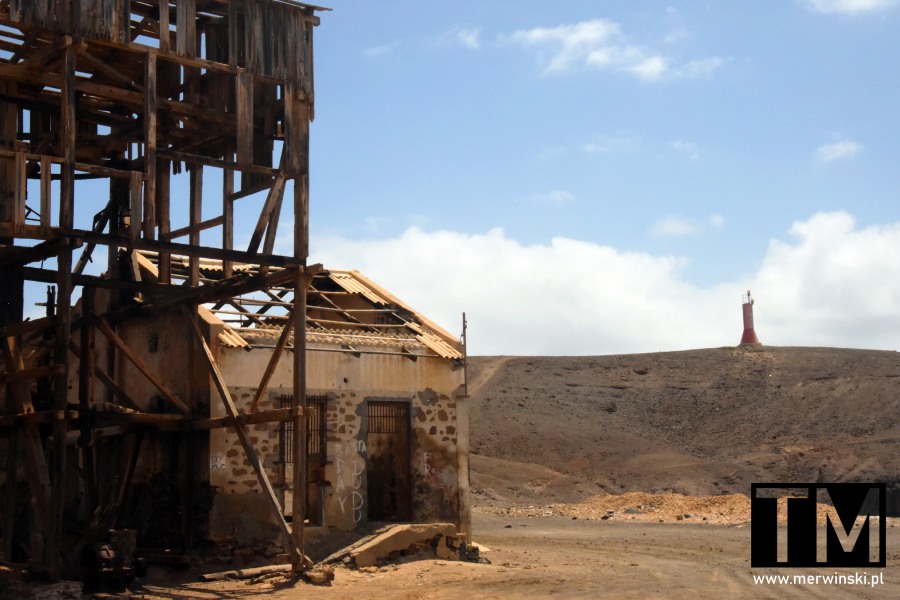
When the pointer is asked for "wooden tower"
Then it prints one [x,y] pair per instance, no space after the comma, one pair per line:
[123,96]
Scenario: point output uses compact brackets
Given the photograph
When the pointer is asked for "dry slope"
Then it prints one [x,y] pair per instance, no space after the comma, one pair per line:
[701,422]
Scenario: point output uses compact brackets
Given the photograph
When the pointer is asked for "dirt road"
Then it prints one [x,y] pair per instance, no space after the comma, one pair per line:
[540,557]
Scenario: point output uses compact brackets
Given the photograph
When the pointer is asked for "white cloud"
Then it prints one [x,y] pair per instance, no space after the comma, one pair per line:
[376,51]
[685,147]
[677,226]
[467,37]
[837,151]
[850,7]
[600,44]
[674,226]
[830,284]
[608,144]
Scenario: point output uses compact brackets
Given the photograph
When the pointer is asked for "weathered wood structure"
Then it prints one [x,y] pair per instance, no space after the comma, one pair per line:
[136,96]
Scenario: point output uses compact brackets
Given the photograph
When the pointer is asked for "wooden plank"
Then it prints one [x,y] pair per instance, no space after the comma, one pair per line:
[141,366]
[164,35]
[36,469]
[233,50]
[109,382]
[263,386]
[298,400]
[201,226]
[20,191]
[46,200]
[110,71]
[196,208]
[162,219]
[22,255]
[29,374]
[228,219]
[186,28]
[244,438]
[136,196]
[244,100]
[273,201]
[214,162]
[150,133]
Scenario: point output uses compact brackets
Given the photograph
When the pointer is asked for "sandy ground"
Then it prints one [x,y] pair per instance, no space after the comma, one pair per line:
[561,557]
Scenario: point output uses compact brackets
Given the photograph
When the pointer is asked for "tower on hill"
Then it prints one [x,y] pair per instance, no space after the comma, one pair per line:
[749,337]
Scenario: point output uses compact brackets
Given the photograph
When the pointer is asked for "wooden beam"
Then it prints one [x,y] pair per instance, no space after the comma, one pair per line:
[201,226]
[136,209]
[252,456]
[215,162]
[141,366]
[114,388]
[36,470]
[244,100]
[298,401]
[273,202]
[196,216]
[150,133]
[46,200]
[273,362]
[22,255]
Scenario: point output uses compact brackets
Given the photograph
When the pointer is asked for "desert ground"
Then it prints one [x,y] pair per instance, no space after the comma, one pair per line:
[627,477]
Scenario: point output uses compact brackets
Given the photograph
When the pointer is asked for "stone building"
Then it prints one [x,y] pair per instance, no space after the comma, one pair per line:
[387,425]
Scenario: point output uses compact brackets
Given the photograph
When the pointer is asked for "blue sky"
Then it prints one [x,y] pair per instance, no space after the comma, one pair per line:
[601,177]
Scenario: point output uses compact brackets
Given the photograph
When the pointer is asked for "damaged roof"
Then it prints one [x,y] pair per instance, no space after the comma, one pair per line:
[346,311]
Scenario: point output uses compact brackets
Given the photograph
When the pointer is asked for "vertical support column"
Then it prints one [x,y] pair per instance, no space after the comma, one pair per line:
[8,134]
[228,215]
[63,316]
[298,408]
[244,100]
[196,172]
[46,204]
[136,196]
[11,305]
[301,251]
[150,122]
[86,397]
[162,218]
[164,26]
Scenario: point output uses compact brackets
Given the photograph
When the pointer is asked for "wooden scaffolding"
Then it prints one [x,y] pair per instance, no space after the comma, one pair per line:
[130,95]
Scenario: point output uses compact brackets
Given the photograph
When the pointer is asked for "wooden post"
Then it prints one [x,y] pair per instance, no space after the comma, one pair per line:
[228,215]
[86,369]
[263,479]
[164,36]
[150,127]
[53,549]
[162,218]
[46,204]
[196,172]
[273,361]
[298,404]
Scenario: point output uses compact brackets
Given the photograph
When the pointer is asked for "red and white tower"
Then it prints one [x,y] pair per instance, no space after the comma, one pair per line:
[749,338]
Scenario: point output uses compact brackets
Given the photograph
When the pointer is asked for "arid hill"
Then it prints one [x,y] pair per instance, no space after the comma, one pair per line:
[700,422]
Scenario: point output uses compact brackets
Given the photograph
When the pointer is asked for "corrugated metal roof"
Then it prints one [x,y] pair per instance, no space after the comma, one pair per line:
[353,285]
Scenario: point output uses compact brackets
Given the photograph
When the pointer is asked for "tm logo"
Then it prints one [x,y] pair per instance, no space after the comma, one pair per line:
[850,536]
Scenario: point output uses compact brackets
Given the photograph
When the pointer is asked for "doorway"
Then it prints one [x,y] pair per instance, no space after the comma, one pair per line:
[388,462]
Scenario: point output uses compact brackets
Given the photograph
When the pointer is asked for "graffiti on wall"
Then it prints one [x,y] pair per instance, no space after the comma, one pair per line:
[350,464]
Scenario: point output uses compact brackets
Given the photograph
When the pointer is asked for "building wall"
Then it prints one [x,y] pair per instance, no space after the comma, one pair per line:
[432,388]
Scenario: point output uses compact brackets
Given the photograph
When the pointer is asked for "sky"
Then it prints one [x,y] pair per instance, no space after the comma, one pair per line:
[590,177]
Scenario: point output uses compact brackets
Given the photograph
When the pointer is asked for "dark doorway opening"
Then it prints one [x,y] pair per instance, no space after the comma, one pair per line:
[389,487]
[315,459]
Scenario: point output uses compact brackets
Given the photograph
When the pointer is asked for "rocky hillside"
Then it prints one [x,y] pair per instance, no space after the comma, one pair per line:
[701,422]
